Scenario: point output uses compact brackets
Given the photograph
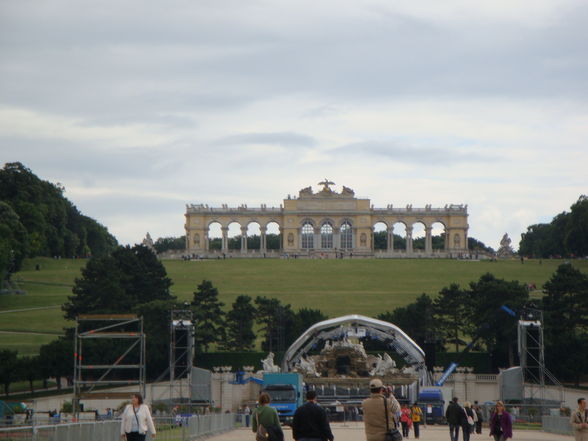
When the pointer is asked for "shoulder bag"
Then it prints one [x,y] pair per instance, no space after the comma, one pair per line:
[391,434]
[261,434]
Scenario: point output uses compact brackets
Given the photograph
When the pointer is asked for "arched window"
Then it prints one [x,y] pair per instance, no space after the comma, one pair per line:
[307,236]
[327,235]
[346,236]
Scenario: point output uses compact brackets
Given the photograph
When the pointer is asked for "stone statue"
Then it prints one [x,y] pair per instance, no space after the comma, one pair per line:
[383,366]
[307,191]
[307,366]
[325,185]
[148,242]
[268,364]
[505,251]
[347,191]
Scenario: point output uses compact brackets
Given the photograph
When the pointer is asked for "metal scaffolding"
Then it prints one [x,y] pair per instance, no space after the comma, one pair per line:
[536,376]
[87,377]
[181,356]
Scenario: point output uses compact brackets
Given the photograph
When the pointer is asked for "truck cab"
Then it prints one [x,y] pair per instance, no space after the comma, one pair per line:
[286,393]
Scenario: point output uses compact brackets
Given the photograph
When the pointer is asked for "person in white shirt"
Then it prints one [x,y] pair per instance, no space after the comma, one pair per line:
[136,420]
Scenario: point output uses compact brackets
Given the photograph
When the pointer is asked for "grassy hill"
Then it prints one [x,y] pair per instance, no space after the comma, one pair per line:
[336,287]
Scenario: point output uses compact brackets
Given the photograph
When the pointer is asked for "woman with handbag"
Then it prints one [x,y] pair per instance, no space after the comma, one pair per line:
[265,422]
[468,424]
[136,420]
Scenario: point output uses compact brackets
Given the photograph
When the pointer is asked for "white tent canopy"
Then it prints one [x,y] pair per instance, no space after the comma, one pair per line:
[356,326]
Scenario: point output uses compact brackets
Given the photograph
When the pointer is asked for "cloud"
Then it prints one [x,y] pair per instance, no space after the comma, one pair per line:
[282,139]
[398,152]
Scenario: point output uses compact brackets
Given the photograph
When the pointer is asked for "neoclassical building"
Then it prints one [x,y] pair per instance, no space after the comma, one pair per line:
[329,224]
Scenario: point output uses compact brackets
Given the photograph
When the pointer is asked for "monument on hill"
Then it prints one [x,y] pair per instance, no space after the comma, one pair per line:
[328,224]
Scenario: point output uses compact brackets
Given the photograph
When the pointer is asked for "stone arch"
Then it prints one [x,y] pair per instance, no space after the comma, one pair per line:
[307,241]
[419,233]
[214,235]
[234,235]
[400,234]
[380,235]
[253,230]
[327,233]
[341,327]
[273,235]
[346,234]
[438,235]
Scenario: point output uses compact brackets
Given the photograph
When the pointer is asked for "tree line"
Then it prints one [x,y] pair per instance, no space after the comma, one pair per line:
[133,280]
[37,220]
[565,236]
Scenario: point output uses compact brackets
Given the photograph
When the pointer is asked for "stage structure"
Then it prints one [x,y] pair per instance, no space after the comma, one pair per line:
[181,356]
[328,224]
[343,362]
[535,375]
[127,369]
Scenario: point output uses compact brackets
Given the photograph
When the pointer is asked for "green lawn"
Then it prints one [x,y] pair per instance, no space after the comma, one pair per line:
[336,287]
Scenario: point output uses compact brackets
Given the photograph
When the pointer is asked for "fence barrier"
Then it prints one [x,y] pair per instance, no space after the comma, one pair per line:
[557,424]
[168,429]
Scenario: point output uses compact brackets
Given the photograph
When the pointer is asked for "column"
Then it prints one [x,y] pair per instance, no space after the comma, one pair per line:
[317,238]
[206,241]
[262,245]
[243,239]
[428,241]
[225,241]
[390,239]
[409,239]
[447,235]
[336,238]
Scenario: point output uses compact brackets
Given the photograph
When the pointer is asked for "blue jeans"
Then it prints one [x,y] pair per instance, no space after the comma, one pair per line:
[454,432]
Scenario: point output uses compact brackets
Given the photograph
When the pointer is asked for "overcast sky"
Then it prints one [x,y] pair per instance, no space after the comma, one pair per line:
[139,107]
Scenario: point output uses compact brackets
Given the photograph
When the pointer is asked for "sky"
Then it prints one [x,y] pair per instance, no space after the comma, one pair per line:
[140,107]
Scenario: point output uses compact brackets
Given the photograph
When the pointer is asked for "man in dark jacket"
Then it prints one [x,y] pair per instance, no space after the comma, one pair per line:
[310,421]
[453,415]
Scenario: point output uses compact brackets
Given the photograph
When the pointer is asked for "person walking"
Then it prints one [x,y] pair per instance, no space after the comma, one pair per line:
[136,420]
[379,412]
[267,417]
[500,423]
[310,421]
[479,418]
[467,423]
[579,421]
[405,420]
[416,414]
[453,415]
[247,412]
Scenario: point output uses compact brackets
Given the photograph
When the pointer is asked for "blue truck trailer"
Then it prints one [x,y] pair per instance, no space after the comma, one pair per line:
[432,403]
[286,392]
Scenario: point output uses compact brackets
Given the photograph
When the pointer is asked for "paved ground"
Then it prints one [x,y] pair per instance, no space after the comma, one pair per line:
[354,432]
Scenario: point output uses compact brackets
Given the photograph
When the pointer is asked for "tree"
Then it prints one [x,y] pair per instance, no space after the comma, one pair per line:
[421,330]
[8,368]
[239,325]
[208,315]
[497,329]
[576,235]
[566,322]
[275,321]
[15,242]
[303,319]
[56,359]
[53,224]
[29,369]
[130,276]
[450,309]
[156,319]
[170,243]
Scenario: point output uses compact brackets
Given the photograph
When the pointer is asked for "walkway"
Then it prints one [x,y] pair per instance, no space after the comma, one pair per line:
[354,432]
